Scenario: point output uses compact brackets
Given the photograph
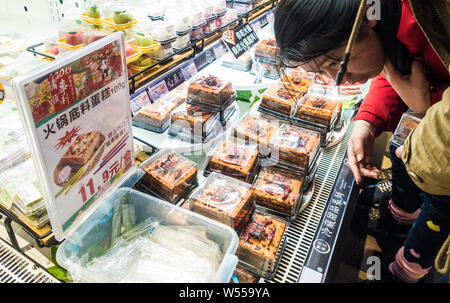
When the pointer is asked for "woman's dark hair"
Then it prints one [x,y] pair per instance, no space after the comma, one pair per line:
[308,29]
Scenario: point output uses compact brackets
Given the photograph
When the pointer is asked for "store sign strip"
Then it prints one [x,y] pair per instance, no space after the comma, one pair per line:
[323,245]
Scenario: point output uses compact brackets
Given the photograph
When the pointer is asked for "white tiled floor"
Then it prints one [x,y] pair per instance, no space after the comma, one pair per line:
[28,245]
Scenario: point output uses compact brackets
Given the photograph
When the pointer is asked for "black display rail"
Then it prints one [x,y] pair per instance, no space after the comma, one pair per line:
[186,70]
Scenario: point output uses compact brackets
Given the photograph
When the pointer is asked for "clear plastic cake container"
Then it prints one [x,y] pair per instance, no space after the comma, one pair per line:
[97,232]
[408,122]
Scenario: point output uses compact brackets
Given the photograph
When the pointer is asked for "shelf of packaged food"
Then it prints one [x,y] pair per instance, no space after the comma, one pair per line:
[151,72]
[43,236]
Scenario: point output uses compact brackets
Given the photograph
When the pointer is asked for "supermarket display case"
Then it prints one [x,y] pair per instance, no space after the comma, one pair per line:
[310,241]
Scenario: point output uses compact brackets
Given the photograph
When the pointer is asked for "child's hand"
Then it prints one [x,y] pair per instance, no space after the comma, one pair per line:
[413,89]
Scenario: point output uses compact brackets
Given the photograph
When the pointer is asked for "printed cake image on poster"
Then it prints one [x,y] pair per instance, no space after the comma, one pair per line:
[82,116]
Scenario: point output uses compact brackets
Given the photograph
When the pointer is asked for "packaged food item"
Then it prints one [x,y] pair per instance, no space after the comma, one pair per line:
[244,276]
[230,16]
[163,31]
[279,100]
[261,243]
[210,92]
[170,175]
[163,51]
[317,111]
[243,63]
[193,121]
[143,39]
[20,190]
[122,17]
[408,122]
[181,42]
[224,199]
[210,26]
[279,190]
[233,158]
[242,6]
[258,130]
[93,14]
[296,82]
[266,51]
[295,148]
[12,151]
[155,117]
[197,32]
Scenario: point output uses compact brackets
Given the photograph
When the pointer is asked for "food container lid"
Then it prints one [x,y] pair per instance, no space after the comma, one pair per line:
[283,188]
[296,82]
[317,111]
[282,94]
[168,166]
[256,129]
[160,108]
[221,192]
[235,153]
[12,151]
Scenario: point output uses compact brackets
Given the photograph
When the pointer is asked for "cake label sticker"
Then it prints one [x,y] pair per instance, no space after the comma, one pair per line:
[240,40]
[80,128]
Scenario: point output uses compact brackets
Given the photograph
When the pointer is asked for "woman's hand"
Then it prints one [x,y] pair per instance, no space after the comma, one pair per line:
[360,149]
[414,89]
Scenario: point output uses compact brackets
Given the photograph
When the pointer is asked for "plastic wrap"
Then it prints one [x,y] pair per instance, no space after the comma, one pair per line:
[167,255]
[295,148]
[233,158]
[12,151]
[266,50]
[261,243]
[170,175]
[224,199]
[280,191]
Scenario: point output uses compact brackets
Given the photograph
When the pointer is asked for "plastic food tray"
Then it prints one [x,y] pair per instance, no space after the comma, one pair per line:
[144,49]
[87,19]
[119,27]
[62,43]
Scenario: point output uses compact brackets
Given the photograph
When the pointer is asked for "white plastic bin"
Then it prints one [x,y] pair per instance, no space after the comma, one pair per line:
[93,238]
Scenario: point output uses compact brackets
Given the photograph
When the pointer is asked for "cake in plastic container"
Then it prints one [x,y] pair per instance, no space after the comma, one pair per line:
[296,82]
[318,111]
[279,101]
[266,50]
[243,63]
[258,130]
[193,121]
[156,116]
[244,276]
[295,148]
[170,175]
[224,199]
[20,190]
[408,122]
[279,190]
[211,91]
[261,243]
[234,158]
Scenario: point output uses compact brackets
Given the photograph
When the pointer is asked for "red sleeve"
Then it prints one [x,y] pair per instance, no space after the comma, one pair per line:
[382,107]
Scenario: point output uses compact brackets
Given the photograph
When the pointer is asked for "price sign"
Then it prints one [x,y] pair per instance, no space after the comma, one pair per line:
[263,21]
[204,58]
[139,102]
[78,123]
[157,90]
[219,50]
[189,70]
[174,79]
[240,40]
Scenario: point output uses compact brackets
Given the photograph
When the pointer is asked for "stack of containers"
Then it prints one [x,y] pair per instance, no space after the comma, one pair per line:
[265,59]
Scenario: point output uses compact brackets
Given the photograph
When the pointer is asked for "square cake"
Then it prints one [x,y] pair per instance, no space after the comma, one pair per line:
[280,99]
[260,241]
[266,49]
[210,90]
[278,190]
[257,129]
[224,199]
[194,121]
[408,122]
[170,175]
[156,114]
[318,110]
[294,146]
[234,159]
